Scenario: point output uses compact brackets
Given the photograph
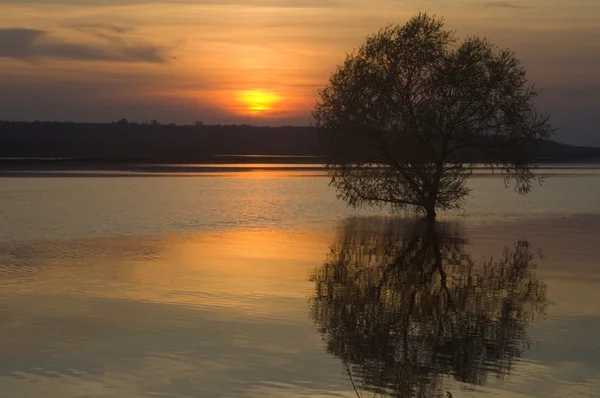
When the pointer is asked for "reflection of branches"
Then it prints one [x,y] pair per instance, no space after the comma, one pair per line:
[402,303]
[351,378]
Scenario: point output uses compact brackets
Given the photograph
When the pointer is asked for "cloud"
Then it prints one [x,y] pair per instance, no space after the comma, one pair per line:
[31,44]
[504,4]
[15,43]
[99,27]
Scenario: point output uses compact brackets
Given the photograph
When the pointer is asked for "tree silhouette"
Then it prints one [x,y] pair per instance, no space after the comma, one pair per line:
[406,116]
[404,304]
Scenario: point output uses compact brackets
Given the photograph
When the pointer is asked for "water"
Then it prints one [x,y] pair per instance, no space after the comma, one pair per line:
[261,283]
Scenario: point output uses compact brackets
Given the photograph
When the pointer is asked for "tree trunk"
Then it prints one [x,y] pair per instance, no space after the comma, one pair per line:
[433,193]
[430,210]
[432,200]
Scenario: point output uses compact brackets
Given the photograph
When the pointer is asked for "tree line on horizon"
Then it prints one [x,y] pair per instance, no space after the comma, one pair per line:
[182,143]
[151,142]
[152,122]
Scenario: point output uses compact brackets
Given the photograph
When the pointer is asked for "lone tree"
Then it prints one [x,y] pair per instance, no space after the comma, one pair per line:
[408,116]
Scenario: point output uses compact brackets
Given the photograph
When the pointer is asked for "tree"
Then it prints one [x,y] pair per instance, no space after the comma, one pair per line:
[407,116]
[404,304]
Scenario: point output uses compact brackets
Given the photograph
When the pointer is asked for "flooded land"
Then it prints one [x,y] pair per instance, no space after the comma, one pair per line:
[254,280]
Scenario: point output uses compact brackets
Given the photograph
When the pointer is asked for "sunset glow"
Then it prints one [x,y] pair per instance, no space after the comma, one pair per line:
[257,101]
[260,61]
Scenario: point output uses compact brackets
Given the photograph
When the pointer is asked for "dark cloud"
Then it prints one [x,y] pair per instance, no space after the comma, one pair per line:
[16,42]
[31,44]
[99,27]
[504,4]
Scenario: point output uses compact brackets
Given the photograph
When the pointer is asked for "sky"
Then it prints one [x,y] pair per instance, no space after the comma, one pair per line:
[263,61]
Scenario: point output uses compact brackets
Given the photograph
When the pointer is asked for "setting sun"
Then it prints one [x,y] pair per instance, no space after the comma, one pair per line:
[257,101]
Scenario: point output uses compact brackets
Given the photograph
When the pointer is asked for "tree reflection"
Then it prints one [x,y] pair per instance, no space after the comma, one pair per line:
[403,303]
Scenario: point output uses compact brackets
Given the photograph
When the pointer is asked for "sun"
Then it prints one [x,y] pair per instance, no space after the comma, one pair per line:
[257,101]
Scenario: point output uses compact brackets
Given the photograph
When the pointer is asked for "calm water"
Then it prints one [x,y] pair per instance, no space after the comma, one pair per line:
[260,283]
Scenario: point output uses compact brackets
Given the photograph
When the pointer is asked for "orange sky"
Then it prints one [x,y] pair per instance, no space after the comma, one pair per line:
[261,61]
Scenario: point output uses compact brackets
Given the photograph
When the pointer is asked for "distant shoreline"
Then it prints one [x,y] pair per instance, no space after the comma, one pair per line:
[111,168]
[311,166]
[153,143]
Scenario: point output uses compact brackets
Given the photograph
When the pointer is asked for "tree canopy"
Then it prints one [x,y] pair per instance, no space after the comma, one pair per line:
[407,116]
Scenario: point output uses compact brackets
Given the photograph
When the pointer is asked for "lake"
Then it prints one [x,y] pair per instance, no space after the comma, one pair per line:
[257,281]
